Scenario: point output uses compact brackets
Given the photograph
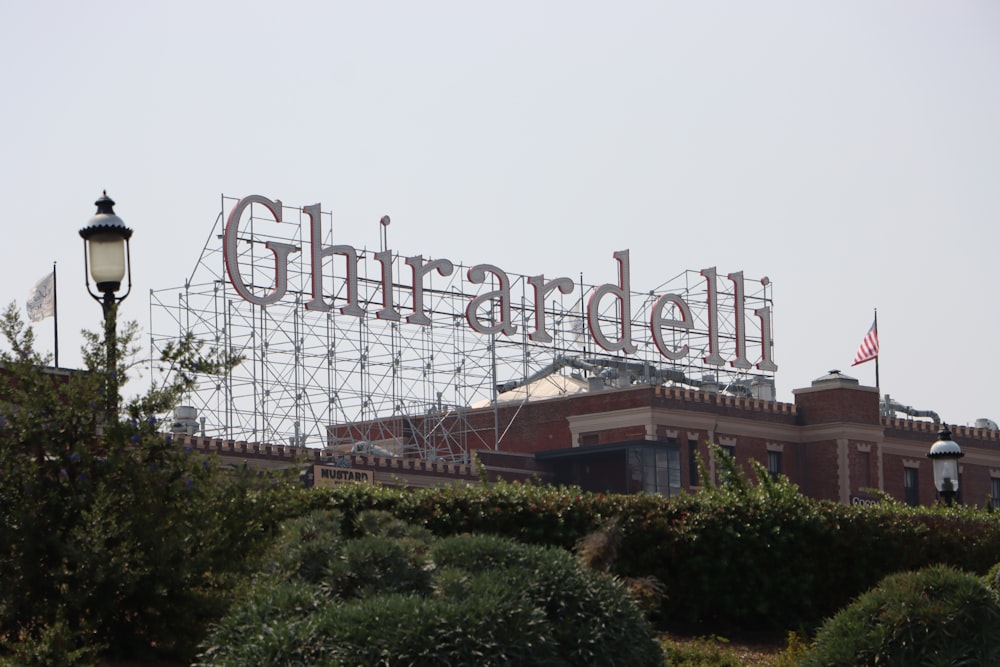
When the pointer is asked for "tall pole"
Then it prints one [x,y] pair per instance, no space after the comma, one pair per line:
[55,314]
[878,387]
[110,306]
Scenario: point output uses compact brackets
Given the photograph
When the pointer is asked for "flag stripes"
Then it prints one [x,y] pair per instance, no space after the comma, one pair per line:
[868,349]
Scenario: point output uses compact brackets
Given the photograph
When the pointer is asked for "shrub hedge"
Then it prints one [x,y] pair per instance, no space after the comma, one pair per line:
[936,616]
[404,600]
[741,555]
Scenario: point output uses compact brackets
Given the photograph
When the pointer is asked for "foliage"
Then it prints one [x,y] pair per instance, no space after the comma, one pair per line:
[703,652]
[113,542]
[936,616]
[761,555]
[578,602]
[305,546]
[182,362]
[531,513]
[598,550]
[992,579]
[715,651]
[274,623]
[742,554]
[375,565]
[398,596]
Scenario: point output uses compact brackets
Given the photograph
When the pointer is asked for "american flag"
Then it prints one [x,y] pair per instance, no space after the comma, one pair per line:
[868,349]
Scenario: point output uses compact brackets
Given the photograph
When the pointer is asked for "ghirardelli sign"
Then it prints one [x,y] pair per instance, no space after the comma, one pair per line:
[336,269]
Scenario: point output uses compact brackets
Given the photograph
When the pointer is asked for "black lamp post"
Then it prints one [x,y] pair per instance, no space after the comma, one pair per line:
[106,253]
[945,454]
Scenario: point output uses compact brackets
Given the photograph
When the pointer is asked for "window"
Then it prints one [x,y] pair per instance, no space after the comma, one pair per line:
[911,488]
[774,463]
[658,468]
[994,492]
[864,471]
[693,463]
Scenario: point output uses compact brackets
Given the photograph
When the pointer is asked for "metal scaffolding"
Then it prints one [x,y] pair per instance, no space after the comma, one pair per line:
[304,370]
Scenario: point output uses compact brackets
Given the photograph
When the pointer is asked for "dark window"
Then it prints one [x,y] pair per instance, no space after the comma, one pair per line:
[693,463]
[864,471]
[911,487]
[658,468]
[774,463]
[995,492]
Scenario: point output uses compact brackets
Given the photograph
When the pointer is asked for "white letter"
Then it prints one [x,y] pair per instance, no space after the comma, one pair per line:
[739,298]
[388,311]
[622,293]
[280,251]
[657,322]
[765,335]
[318,252]
[713,319]
[542,289]
[442,266]
[477,274]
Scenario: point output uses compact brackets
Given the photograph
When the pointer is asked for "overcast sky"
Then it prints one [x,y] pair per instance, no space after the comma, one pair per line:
[849,151]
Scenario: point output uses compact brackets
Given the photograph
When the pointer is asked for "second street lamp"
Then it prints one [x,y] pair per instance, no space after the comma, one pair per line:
[944,454]
[106,254]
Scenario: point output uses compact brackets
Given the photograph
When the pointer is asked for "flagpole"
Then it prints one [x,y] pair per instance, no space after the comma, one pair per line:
[55,314]
[878,388]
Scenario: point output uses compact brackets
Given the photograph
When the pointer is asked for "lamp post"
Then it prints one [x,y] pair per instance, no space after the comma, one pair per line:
[945,454]
[106,253]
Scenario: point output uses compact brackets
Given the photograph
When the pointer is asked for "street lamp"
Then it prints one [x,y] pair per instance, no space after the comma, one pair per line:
[945,454]
[106,253]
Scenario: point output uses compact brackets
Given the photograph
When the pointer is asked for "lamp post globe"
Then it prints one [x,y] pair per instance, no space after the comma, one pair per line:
[944,454]
[107,260]
[106,252]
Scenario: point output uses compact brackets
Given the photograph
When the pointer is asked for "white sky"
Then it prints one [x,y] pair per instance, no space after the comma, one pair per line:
[850,151]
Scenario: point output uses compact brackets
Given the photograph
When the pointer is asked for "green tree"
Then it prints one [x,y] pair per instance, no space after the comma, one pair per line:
[113,541]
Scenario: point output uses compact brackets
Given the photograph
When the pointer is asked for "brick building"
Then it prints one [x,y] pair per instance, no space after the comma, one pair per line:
[833,442]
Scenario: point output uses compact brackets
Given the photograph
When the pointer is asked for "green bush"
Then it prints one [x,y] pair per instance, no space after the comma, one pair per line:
[591,614]
[479,552]
[467,600]
[273,624]
[305,546]
[376,565]
[536,514]
[496,629]
[741,555]
[594,620]
[490,628]
[380,522]
[764,557]
[936,616]
[992,579]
